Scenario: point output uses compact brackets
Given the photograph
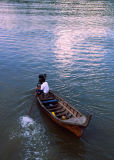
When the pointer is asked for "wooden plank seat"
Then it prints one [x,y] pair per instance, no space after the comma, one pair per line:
[49,101]
[61,114]
[45,99]
[54,109]
[60,110]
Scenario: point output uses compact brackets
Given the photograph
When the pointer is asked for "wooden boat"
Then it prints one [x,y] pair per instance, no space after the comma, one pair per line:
[63,114]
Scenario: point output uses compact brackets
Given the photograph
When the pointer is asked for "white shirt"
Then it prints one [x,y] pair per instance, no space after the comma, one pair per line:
[45,87]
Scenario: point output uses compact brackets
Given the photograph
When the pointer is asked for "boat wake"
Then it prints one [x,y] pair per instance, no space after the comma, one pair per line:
[32,136]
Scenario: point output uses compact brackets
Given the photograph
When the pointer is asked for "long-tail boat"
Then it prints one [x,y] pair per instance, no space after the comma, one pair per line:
[63,113]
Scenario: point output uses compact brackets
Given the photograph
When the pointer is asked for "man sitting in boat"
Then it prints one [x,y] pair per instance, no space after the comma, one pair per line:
[43,86]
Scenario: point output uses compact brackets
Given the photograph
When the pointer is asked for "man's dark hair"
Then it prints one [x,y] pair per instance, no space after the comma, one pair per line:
[42,78]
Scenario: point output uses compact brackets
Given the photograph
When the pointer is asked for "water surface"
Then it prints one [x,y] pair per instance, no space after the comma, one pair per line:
[71,41]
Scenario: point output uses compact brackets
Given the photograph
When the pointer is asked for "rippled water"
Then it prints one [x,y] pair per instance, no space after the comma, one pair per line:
[72,41]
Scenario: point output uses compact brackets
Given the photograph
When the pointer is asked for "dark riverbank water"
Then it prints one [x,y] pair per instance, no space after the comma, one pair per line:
[71,41]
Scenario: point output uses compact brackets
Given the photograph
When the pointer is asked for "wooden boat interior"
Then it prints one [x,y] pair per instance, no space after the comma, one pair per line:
[61,110]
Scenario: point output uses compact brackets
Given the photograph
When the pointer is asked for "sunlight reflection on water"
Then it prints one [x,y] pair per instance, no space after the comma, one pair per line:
[71,41]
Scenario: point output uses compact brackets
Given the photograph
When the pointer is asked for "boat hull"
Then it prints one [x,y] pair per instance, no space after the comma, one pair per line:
[75,129]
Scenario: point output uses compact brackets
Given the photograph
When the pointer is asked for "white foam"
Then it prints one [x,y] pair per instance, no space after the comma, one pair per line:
[26,121]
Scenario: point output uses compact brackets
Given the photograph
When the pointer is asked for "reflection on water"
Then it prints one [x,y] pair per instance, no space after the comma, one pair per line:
[6,19]
[71,41]
[81,40]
